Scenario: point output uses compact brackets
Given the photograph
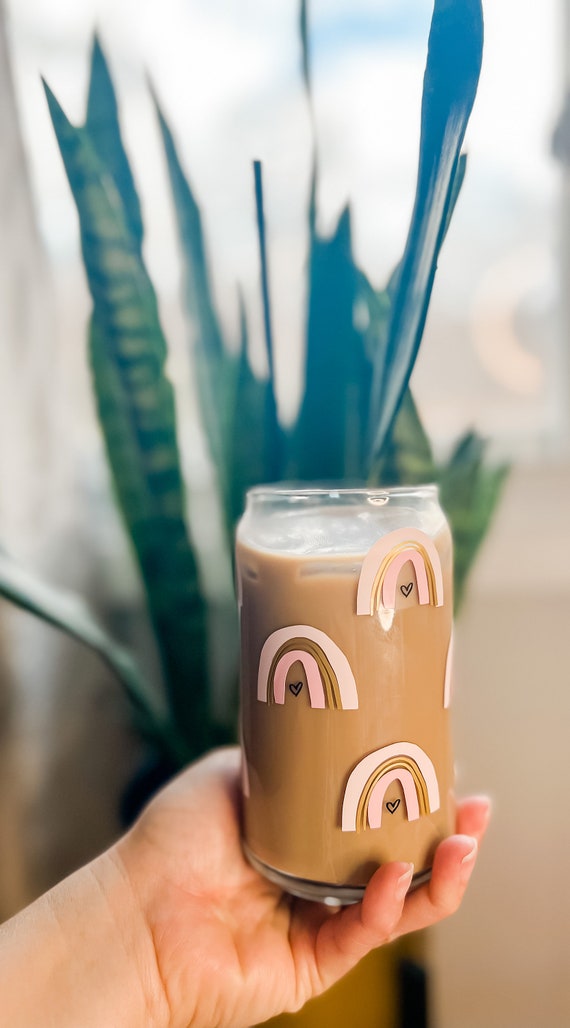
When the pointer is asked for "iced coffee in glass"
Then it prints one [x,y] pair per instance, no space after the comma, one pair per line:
[345,601]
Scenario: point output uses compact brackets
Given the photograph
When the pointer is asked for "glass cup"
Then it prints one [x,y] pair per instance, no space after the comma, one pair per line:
[345,599]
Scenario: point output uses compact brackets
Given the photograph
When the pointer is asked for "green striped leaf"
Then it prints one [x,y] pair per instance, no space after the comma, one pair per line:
[407,457]
[307,82]
[305,51]
[257,439]
[215,368]
[102,124]
[469,494]
[67,612]
[329,436]
[456,187]
[137,414]
[273,442]
[450,85]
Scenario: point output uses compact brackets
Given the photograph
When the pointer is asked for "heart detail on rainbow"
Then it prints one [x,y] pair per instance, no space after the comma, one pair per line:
[393,805]
[406,589]
[295,688]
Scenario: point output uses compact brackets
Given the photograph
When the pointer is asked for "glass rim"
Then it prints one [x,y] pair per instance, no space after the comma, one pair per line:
[290,490]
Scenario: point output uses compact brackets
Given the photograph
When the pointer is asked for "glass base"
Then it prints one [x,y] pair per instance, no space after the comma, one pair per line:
[320,892]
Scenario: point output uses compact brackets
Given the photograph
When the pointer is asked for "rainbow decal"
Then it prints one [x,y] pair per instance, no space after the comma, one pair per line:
[383,563]
[367,784]
[329,676]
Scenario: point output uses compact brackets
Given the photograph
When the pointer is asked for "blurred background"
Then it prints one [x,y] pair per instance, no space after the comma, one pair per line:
[495,357]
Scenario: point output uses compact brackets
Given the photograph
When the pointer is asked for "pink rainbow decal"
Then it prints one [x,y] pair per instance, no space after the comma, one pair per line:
[335,656]
[376,803]
[368,765]
[380,554]
[314,680]
[448,673]
[391,578]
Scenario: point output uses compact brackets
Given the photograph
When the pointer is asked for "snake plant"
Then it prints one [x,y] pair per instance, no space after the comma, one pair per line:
[357,418]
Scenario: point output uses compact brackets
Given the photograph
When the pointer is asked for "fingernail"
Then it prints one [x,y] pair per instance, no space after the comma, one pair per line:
[404,882]
[488,803]
[468,860]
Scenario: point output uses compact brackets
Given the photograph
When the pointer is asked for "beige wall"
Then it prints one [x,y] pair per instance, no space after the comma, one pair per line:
[504,960]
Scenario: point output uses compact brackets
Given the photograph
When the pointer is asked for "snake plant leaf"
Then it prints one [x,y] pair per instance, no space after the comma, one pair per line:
[377,307]
[215,368]
[305,52]
[102,124]
[273,447]
[136,409]
[379,303]
[450,84]
[307,82]
[456,187]
[67,612]
[198,279]
[264,267]
[469,493]
[257,438]
[407,457]
[328,441]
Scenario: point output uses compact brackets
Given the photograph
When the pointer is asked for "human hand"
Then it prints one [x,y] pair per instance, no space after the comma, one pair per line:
[230,948]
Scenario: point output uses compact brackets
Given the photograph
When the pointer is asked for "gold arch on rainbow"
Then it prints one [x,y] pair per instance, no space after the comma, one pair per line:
[368,781]
[330,680]
[382,564]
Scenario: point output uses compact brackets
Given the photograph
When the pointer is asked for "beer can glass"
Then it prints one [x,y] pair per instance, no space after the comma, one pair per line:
[345,599]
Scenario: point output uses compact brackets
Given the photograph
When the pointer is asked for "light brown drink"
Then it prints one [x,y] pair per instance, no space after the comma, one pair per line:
[345,715]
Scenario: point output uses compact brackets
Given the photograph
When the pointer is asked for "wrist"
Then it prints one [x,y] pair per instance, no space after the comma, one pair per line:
[81,955]
[133,945]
